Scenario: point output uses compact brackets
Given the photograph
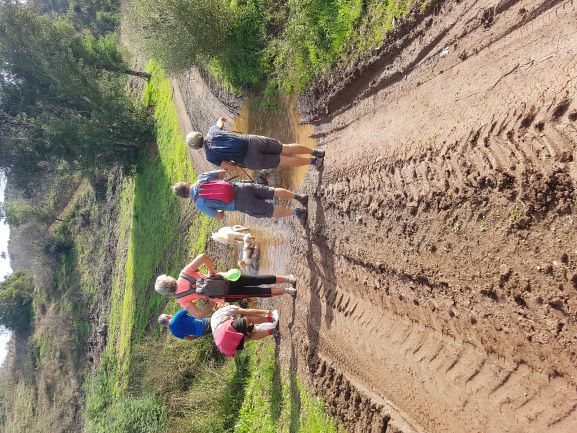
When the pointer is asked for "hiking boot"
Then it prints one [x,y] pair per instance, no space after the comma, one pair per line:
[290,291]
[319,153]
[302,215]
[318,162]
[302,199]
[292,280]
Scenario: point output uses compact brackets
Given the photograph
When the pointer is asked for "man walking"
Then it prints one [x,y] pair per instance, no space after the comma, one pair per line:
[229,151]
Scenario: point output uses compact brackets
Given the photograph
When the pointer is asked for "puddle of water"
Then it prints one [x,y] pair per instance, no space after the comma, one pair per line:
[273,236]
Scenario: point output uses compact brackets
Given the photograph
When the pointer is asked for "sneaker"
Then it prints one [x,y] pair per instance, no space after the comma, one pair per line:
[319,153]
[290,291]
[292,280]
[302,215]
[275,317]
[302,199]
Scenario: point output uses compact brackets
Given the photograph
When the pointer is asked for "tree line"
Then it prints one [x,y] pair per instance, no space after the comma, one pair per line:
[64,109]
[63,100]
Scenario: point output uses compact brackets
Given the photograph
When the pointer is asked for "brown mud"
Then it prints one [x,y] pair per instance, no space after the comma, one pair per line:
[438,269]
[441,251]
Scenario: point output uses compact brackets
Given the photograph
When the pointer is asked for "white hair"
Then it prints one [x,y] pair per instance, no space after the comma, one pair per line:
[194,140]
[163,320]
[165,285]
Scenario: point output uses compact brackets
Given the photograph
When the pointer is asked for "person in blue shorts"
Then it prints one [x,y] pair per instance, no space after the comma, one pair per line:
[182,325]
[229,151]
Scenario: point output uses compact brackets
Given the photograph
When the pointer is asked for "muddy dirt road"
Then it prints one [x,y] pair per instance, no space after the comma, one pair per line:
[441,250]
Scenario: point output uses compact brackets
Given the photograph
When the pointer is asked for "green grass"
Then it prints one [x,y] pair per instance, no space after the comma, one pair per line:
[276,401]
[149,225]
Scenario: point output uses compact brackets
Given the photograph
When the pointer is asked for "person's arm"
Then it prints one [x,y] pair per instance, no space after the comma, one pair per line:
[201,259]
[219,215]
[199,313]
[220,122]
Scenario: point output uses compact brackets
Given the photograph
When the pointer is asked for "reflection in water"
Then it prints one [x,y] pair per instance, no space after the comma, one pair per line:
[274,235]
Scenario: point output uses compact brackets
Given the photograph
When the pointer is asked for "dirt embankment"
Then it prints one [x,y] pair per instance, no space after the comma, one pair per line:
[441,251]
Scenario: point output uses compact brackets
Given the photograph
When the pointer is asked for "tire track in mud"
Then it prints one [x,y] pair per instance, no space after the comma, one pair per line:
[440,252]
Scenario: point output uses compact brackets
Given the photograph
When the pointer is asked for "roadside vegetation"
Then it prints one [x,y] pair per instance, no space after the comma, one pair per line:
[285,43]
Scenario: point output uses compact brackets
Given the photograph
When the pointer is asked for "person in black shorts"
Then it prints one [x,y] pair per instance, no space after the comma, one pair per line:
[229,151]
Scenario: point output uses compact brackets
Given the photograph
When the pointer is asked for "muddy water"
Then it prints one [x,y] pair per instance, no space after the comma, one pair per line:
[274,236]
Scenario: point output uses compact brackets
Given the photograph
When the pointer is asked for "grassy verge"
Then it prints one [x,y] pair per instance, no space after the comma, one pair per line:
[276,401]
[152,240]
[283,43]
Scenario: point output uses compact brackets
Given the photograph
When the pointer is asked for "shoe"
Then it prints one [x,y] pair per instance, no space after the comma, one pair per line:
[302,215]
[275,316]
[319,153]
[276,333]
[292,280]
[302,199]
[290,291]
[318,163]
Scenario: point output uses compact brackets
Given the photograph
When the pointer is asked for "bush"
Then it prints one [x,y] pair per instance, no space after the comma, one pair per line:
[16,302]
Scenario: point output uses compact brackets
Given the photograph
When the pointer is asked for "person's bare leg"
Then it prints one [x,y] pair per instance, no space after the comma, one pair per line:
[257,335]
[283,193]
[281,279]
[295,149]
[277,291]
[280,212]
[294,161]
[255,320]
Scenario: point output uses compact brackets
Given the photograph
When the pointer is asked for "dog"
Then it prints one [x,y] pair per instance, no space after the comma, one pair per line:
[250,252]
[230,235]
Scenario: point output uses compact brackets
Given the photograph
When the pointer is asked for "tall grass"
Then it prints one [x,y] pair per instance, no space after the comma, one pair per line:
[288,41]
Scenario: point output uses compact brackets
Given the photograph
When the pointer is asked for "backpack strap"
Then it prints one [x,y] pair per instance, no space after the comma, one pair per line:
[192,283]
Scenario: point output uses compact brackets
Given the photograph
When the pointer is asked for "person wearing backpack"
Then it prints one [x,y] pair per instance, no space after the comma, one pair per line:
[201,294]
[182,325]
[232,326]
[214,196]
[230,151]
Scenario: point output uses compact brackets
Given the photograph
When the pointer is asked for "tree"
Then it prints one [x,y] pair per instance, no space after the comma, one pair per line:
[20,213]
[62,100]
[16,302]
[181,33]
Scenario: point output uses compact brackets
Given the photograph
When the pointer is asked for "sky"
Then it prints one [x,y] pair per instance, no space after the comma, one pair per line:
[5,270]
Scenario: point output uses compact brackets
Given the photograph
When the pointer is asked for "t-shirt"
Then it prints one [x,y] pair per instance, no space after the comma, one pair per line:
[221,145]
[206,205]
[182,285]
[182,324]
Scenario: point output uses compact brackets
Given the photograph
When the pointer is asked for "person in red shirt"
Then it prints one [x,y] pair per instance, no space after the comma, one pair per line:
[201,294]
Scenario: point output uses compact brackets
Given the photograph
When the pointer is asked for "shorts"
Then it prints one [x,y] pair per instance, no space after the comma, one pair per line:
[240,326]
[251,199]
[262,152]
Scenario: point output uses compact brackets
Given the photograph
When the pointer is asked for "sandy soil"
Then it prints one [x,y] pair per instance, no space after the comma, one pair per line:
[438,270]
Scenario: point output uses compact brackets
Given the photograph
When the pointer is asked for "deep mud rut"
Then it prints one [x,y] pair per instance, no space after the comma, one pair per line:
[441,251]
[438,270]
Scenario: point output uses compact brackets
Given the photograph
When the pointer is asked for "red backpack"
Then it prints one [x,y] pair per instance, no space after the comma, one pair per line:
[218,190]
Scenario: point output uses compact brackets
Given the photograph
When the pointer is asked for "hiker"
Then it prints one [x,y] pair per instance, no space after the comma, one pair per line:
[232,326]
[201,294]
[213,196]
[231,151]
[182,325]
